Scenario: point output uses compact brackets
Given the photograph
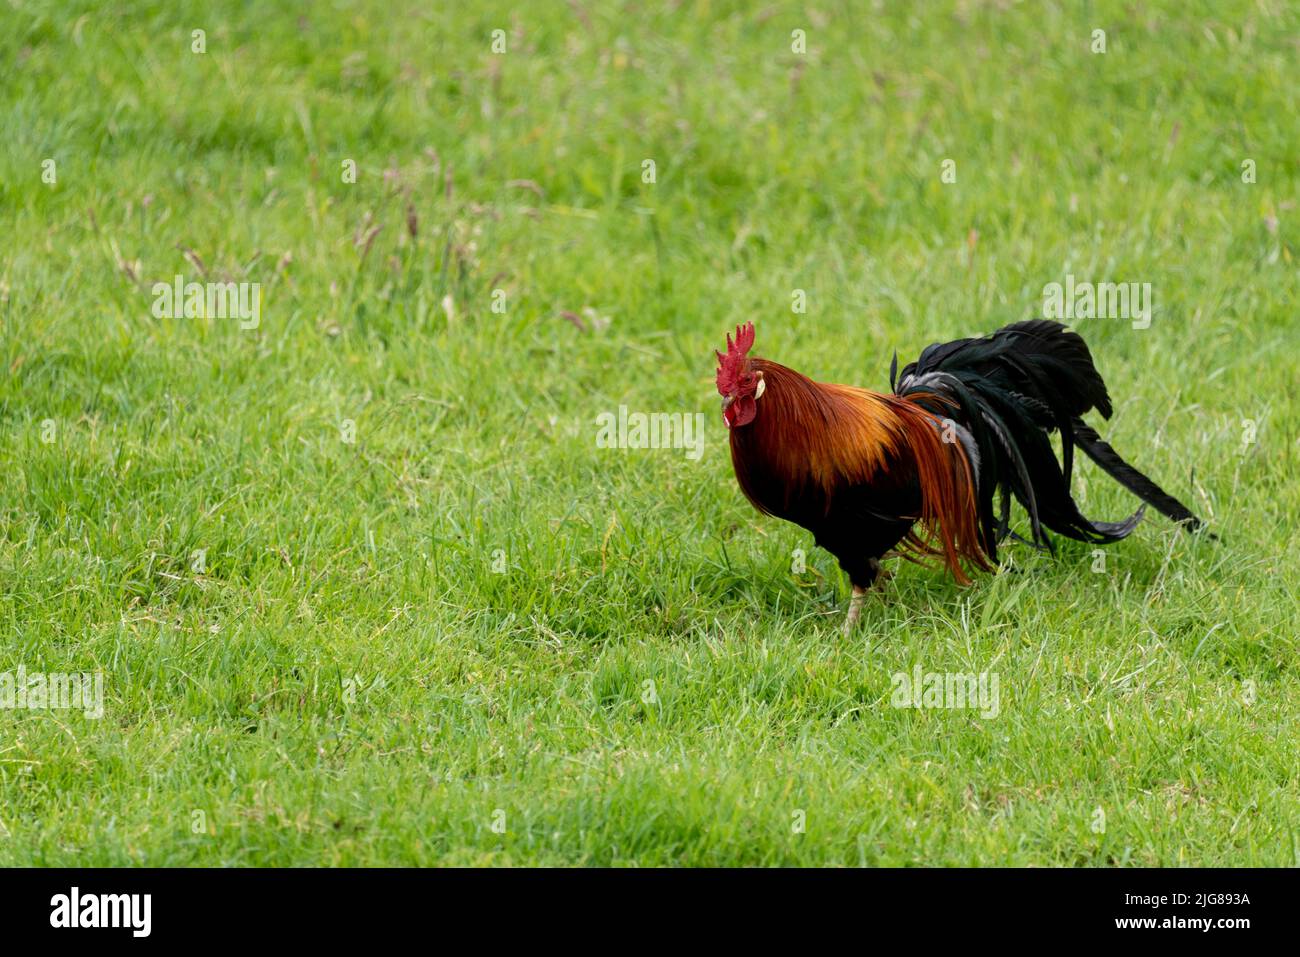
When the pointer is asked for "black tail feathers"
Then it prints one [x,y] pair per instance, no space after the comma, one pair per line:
[1008,392]
[1126,475]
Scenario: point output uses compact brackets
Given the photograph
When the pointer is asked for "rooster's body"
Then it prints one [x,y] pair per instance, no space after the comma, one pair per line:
[917,470]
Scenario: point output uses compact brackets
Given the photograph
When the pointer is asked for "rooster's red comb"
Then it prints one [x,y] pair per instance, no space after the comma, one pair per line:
[732,364]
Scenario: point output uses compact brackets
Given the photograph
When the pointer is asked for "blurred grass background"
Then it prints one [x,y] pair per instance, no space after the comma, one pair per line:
[348,681]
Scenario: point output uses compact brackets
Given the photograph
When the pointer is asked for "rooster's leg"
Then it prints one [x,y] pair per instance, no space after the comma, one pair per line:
[878,576]
[855,609]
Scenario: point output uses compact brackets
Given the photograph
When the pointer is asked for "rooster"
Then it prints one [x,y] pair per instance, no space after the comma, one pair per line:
[916,470]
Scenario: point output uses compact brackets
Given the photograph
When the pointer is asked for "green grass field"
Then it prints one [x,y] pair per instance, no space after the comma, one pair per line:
[361,585]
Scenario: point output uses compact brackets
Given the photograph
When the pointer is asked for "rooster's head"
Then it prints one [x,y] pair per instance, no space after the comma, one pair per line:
[738,384]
